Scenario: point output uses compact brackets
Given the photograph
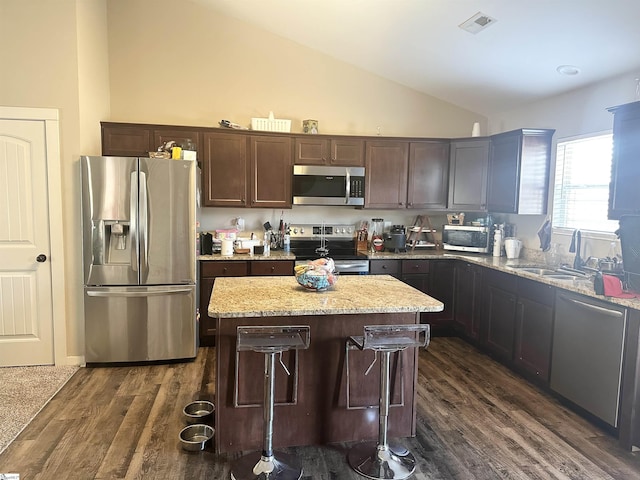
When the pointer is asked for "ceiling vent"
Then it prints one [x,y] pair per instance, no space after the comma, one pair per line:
[477,23]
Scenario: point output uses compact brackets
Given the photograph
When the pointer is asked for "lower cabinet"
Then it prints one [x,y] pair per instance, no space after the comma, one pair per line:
[534,328]
[467,294]
[210,270]
[497,331]
[433,277]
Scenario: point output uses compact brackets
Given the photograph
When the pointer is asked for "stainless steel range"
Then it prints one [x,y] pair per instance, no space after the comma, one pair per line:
[311,241]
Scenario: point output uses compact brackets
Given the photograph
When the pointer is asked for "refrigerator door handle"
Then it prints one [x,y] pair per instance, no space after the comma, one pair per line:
[133,215]
[143,211]
[136,293]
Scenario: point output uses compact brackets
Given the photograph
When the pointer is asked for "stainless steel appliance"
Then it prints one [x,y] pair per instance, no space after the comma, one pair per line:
[466,238]
[586,363]
[325,185]
[138,221]
[309,242]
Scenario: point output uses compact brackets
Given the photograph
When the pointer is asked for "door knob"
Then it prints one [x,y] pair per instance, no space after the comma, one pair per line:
[41,258]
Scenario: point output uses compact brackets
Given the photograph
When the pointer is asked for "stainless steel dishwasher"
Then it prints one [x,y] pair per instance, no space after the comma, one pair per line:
[586,360]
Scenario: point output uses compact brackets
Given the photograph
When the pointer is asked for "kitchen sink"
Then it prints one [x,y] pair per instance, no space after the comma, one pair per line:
[547,272]
[538,271]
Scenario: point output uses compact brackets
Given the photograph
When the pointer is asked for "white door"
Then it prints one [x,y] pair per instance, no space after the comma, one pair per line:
[26,309]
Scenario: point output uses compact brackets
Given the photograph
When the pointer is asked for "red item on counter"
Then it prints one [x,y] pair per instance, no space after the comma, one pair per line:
[613,288]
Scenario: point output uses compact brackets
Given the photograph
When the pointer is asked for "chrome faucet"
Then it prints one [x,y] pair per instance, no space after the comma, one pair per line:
[575,247]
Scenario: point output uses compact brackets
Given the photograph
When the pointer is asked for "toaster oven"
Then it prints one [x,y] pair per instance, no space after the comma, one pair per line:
[466,238]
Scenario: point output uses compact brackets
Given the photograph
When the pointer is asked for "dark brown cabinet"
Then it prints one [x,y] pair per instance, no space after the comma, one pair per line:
[428,180]
[467,300]
[624,194]
[387,165]
[518,177]
[534,328]
[498,316]
[210,270]
[137,140]
[314,150]
[247,171]
[225,170]
[441,287]
[386,267]
[468,174]
[407,175]
[271,170]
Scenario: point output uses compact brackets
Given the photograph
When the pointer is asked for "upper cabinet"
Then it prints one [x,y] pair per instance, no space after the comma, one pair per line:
[468,174]
[410,175]
[518,178]
[314,150]
[137,140]
[271,170]
[624,194]
[428,181]
[386,168]
[225,170]
[247,171]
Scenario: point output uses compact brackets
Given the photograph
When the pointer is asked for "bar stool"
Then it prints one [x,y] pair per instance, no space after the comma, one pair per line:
[380,460]
[270,341]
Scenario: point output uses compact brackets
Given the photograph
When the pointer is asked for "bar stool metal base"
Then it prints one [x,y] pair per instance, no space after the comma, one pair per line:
[255,466]
[378,462]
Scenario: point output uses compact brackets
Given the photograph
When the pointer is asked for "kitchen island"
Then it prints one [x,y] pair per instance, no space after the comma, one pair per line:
[311,403]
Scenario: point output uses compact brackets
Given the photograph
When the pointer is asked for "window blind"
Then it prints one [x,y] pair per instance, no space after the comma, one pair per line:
[581,190]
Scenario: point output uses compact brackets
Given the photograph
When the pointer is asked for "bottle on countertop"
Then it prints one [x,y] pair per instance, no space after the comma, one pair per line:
[497,242]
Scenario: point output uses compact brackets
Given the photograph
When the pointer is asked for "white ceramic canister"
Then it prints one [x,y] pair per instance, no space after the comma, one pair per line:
[226,248]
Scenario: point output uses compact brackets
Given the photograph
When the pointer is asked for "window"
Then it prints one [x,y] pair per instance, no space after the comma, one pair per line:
[581,193]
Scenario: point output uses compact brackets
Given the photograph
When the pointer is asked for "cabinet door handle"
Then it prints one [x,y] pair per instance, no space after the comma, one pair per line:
[384,267]
[224,270]
[273,268]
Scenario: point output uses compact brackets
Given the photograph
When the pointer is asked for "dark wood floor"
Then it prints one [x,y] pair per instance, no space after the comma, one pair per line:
[476,420]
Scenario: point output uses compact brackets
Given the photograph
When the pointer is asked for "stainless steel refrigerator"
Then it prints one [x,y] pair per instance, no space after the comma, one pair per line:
[138,222]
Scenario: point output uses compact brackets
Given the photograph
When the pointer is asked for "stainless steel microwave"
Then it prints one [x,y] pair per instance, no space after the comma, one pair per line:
[466,238]
[326,185]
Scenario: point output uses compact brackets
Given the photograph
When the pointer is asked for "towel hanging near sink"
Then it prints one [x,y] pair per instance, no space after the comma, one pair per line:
[544,233]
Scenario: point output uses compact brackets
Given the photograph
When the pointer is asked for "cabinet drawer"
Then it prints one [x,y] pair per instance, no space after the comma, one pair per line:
[415,266]
[223,269]
[384,267]
[270,267]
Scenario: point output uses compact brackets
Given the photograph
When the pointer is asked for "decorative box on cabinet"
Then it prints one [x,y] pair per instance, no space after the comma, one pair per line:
[518,178]
[624,194]
[468,175]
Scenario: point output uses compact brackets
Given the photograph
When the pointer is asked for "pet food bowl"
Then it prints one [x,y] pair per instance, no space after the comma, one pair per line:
[195,437]
[200,411]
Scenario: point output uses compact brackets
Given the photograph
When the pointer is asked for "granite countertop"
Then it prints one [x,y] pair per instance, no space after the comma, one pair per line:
[283,296]
[273,255]
[582,286]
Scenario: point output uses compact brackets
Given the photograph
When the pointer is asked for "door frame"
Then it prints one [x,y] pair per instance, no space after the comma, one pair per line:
[50,118]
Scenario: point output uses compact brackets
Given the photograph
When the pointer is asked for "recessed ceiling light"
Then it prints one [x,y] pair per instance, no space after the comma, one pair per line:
[478,22]
[568,70]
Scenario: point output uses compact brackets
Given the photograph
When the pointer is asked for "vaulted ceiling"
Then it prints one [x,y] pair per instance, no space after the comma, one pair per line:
[419,44]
